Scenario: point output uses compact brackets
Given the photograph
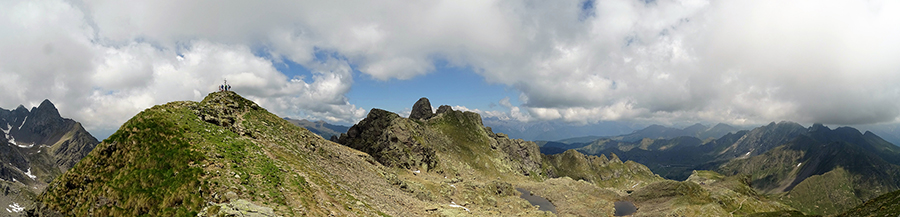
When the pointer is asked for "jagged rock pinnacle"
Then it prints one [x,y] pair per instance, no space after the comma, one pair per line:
[421,110]
[444,109]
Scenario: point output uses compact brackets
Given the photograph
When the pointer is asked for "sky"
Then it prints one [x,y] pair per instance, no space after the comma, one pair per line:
[654,61]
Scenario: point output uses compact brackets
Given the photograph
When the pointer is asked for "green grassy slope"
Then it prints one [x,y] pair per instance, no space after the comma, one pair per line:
[887,205]
[179,158]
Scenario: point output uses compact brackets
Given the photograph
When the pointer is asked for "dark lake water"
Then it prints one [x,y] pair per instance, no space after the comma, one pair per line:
[624,208]
[542,203]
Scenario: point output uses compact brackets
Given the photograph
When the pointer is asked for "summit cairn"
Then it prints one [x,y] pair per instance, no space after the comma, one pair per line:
[421,110]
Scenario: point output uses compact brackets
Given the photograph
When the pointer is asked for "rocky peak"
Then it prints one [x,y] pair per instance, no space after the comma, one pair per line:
[391,140]
[614,158]
[225,109]
[44,117]
[817,127]
[459,136]
[18,115]
[35,147]
[21,108]
[443,109]
[46,110]
[421,110]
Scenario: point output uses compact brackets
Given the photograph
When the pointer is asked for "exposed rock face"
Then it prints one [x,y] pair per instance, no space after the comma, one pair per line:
[225,110]
[392,140]
[762,139]
[526,153]
[35,147]
[443,109]
[421,110]
[448,141]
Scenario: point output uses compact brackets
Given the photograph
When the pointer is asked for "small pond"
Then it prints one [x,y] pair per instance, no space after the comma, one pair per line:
[542,203]
[624,208]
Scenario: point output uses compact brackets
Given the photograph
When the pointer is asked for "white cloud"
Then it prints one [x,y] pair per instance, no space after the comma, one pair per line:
[52,52]
[740,61]
[197,70]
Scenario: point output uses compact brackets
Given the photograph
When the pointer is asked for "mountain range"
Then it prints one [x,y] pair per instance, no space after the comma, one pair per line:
[796,165]
[653,132]
[321,128]
[661,132]
[36,146]
[554,130]
[228,156]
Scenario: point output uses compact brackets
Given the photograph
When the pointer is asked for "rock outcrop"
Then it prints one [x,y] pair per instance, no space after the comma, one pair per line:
[443,109]
[525,153]
[421,110]
[448,141]
[391,140]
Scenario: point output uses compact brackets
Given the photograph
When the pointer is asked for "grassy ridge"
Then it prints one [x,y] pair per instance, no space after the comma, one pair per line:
[182,158]
[884,205]
[827,194]
[142,169]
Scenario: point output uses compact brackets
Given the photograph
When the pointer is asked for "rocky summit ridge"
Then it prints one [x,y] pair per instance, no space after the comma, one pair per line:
[228,156]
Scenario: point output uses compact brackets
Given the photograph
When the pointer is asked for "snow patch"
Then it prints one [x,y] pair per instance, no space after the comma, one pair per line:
[33,177]
[15,208]
[23,123]
[453,204]
[9,137]
[12,141]
[23,146]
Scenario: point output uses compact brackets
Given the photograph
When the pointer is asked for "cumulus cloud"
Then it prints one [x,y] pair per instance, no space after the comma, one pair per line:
[102,76]
[741,61]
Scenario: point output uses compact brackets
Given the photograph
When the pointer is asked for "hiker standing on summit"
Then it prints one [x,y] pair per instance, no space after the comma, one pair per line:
[225,86]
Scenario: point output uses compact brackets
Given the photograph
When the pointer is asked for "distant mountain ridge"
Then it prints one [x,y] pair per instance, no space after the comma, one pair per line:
[782,158]
[321,128]
[553,130]
[36,146]
[654,132]
[662,132]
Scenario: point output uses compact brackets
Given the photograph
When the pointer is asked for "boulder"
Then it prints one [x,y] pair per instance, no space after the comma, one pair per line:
[421,110]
